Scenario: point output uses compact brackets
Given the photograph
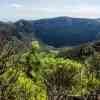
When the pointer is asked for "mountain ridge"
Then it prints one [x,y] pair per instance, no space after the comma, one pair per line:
[57,32]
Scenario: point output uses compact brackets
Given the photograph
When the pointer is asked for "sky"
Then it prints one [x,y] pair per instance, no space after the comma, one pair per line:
[11,10]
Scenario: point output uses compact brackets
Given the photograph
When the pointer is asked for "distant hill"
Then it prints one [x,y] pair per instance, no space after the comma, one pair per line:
[66,31]
[57,32]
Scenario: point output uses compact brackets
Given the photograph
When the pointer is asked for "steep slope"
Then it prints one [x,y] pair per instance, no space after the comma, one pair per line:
[15,35]
[66,31]
[6,32]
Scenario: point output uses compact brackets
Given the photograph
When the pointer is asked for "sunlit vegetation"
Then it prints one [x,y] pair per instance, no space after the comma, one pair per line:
[36,74]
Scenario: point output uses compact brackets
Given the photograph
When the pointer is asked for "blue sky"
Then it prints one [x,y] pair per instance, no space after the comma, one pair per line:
[36,9]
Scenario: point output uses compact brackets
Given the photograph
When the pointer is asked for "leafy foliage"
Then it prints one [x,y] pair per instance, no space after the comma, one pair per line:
[36,74]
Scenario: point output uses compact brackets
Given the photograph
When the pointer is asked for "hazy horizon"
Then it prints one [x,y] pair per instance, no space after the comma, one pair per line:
[12,10]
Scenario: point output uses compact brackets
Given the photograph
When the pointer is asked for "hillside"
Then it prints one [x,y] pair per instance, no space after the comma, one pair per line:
[57,32]
[66,31]
[42,71]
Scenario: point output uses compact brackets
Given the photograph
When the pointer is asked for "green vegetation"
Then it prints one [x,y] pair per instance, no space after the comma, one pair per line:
[36,74]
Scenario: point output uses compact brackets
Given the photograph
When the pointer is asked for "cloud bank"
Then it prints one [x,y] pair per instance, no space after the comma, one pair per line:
[36,9]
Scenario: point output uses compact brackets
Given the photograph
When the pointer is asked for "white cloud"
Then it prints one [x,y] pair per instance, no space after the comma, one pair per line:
[15,5]
[18,10]
[85,11]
